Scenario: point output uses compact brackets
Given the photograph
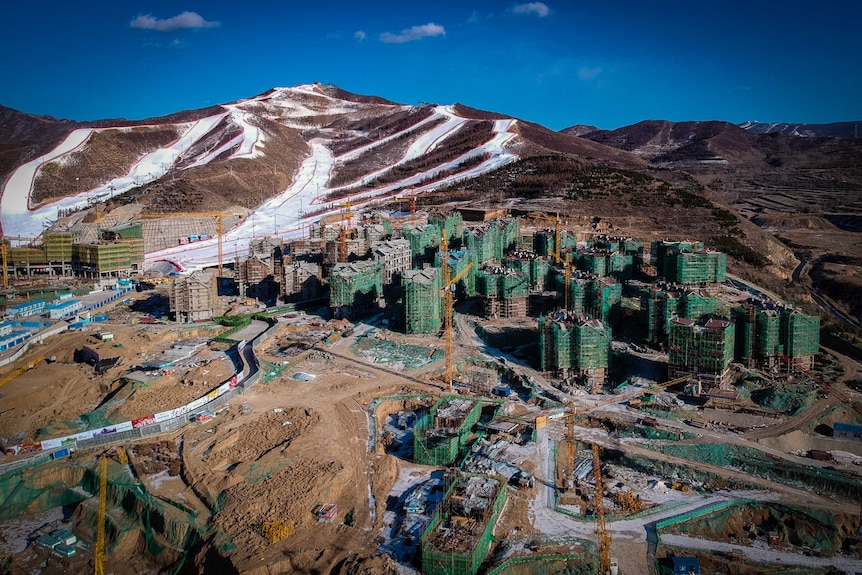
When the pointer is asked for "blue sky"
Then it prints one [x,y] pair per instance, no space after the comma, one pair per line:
[608,63]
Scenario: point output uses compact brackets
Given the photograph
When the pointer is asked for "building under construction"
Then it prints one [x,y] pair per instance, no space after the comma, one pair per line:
[688,263]
[440,437]
[423,305]
[193,297]
[395,256]
[424,240]
[458,538]
[504,292]
[355,289]
[452,222]
[576,348]
[301,280]
[768,334]
[703,350]
[661,302]
[113,252]
[490,242]
[539,270]
[588,294]
[458,261]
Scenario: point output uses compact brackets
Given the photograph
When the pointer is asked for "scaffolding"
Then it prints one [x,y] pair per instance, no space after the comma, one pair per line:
[459,260]
[802,336]
[490,242]
[423,306]
[504,292]
[661,302]
[590,295]
[452,222]
[540,272]
[688,263]
[355,288]
[117,258]
[767,332]
[575,346]
[703,350]
[193,297]
[424,239]
[459,536]
[440,437]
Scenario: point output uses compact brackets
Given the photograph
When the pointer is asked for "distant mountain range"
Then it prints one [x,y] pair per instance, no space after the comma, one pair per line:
[836,130]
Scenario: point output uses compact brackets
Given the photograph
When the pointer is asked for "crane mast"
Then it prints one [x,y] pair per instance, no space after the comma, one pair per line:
[103,508]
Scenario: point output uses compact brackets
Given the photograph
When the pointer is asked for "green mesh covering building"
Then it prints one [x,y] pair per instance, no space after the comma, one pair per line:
[767,335]
[423,304]
[689,263]
[440,437]
[355,289]
[490,242]
[575,347]
[504,291]
[662,302]
[53,256]
[539,270]
[458,261]
[117,258]
[701,350]
[598,297]
[452,222]
[424,240]
[459,536]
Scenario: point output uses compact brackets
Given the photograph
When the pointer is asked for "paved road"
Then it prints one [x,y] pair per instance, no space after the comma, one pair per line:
[765,555]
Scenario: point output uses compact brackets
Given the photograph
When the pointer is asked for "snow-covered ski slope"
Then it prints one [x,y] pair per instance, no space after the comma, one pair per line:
[290,213]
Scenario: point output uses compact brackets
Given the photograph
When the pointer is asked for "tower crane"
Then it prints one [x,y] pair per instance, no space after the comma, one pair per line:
[604,537]
[103,509]
[219,224]
[342,235]
[601,528]
[448,309]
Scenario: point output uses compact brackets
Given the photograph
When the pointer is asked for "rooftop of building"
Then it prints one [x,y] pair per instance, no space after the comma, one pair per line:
[424,276]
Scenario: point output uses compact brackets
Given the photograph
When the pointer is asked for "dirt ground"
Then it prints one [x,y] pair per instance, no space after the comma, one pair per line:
[49,400]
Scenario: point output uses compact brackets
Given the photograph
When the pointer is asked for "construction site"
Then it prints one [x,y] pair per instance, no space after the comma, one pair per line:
[453,392]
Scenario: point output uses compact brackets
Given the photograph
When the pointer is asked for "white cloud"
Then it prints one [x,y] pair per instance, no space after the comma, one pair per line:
[414,33]
[540,9]
[184,20]
[586,73]
[359,35]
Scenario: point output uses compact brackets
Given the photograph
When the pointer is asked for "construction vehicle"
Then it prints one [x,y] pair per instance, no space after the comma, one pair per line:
[449,310]
[20,371]
[219,224]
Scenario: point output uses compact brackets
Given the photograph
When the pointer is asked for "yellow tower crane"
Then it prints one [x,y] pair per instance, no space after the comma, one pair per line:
[448,310]
[103,509]
[20,371]
[601,528]
[219,224]
[347,214]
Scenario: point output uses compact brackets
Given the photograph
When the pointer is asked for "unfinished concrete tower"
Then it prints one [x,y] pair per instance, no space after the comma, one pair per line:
[575,347]
[504,292]
[355,289]
[703,351]
[423,306]
[395,256]
[193,297]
